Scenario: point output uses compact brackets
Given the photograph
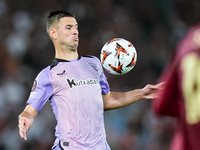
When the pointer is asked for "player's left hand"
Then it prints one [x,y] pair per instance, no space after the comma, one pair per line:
[153,91]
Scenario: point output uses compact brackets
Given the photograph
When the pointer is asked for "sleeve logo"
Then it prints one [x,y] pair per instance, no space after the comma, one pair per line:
[34,85]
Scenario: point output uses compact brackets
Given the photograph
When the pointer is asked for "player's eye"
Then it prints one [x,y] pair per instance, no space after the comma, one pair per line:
[68,27]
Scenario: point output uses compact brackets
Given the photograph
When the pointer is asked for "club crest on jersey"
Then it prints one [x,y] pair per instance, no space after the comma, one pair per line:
[94,66]
[73,83]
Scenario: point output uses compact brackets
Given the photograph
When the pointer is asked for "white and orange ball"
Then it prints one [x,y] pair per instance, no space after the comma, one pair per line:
[118,56]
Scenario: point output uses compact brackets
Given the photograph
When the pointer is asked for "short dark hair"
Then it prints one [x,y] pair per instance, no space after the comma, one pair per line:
[55,16]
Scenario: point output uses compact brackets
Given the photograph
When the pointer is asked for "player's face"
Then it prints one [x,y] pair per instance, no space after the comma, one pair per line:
[67,32]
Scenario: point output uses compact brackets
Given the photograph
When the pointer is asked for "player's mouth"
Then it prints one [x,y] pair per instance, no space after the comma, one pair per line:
[76,38]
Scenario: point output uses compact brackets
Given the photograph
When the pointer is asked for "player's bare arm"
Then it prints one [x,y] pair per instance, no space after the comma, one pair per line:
[114,100]
[26,119]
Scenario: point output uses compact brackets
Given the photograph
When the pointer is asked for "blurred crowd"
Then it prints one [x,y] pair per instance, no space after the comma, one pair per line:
[25,49]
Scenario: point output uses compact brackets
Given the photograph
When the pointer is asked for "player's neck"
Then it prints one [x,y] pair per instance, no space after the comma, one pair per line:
[66,55]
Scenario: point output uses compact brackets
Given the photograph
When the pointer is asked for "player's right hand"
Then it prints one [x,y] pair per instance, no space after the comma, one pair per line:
[23,127]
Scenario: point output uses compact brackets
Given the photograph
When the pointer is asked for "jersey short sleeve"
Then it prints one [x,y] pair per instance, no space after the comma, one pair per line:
[42,90]
[104,84]
[103,80]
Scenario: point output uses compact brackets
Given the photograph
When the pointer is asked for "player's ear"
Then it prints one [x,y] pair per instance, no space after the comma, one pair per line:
[53,33]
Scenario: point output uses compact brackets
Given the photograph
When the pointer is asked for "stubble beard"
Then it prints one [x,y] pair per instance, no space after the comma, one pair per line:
[73,47]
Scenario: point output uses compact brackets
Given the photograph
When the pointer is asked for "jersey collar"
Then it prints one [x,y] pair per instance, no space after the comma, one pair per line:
[57,60]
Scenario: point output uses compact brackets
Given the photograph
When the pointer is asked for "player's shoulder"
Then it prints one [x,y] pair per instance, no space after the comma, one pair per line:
[44,73]
[189,42]
[45,70]
[90,58]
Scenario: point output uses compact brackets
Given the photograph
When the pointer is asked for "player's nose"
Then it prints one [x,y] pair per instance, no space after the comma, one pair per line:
[75,31]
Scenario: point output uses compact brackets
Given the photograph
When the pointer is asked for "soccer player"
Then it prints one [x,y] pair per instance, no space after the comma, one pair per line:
[77,90]
[180,97]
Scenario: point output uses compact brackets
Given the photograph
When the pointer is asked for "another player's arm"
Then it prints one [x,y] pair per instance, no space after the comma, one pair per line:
[26,119]
[114,100]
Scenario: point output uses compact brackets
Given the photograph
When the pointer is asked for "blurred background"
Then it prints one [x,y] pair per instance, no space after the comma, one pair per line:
[25,49]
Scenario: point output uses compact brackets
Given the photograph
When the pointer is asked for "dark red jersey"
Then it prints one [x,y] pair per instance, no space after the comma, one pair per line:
[181,94]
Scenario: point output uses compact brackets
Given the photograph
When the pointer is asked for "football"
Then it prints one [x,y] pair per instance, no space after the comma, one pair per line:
[118,56]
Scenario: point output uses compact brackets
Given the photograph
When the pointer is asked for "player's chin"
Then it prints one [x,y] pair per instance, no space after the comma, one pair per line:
[74,47]
[75,44]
